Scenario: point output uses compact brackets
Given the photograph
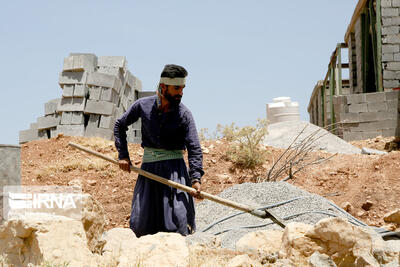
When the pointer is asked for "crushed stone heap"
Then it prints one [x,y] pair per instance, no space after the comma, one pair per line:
[95,92]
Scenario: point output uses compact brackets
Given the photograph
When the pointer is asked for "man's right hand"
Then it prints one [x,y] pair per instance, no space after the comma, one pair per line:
[125,165]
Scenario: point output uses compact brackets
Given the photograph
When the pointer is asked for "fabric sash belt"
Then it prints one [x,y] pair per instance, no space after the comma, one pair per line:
[158,154]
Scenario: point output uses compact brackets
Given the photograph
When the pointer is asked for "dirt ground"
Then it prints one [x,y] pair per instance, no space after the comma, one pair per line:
[344,178]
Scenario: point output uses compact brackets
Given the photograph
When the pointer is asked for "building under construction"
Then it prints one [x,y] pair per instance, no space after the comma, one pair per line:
[366,104]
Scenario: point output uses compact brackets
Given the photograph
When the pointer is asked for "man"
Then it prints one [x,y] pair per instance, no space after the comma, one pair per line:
[167,129]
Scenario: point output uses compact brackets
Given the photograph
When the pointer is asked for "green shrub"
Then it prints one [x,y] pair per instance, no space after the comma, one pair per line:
[245,149]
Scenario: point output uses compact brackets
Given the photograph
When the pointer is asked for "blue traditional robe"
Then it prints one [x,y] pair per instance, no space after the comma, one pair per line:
[157,207]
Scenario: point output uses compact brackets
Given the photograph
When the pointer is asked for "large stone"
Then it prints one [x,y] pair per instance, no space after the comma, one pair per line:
[151,250]
[265,242]
[321,260]
[243,261]
[393,216]
[94,221]
[55,239]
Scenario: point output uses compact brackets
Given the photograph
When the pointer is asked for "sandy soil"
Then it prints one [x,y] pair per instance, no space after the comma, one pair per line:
[344,178]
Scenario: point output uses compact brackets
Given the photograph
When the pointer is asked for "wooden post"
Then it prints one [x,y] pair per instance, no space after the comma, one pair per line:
[378,26]
[332,93]
[339,67]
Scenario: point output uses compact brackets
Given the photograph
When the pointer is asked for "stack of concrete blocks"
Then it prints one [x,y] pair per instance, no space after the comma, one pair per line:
[95,92]
[45,126]
[282,109]
[390,43]
[364,116]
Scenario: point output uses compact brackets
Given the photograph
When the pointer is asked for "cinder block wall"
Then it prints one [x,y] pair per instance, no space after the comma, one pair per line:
[95,92]
[364,116]
[390,10]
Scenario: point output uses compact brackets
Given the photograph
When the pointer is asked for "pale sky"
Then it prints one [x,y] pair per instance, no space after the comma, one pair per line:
[239,54]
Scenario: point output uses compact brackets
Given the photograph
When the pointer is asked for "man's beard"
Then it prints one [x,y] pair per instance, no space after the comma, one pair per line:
[173,100]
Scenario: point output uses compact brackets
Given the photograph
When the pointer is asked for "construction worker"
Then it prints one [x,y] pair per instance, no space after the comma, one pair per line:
[167,129]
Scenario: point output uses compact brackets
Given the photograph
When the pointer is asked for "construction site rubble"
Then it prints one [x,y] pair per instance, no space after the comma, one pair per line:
[95,92]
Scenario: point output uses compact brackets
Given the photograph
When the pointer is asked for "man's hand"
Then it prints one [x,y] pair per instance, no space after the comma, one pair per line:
[197,186]
[125,165]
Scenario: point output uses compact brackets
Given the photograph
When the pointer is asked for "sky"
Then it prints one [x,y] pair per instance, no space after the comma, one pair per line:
[239,54]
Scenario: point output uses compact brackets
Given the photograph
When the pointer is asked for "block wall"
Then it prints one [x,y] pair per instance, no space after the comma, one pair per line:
[390,10]
[364,116]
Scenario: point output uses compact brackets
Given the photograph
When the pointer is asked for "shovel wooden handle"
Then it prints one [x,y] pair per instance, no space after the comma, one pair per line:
[259,213]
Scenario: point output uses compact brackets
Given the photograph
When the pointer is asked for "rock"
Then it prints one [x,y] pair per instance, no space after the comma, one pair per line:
[94,221]
[393,216]
[204,239]
[265,242]
[76,183]
[321,260]
[92,182]
[149,250]
[347,206]
[213,161]
[243,261]
[370,151]
[367,205]
[205,150]
[43,237]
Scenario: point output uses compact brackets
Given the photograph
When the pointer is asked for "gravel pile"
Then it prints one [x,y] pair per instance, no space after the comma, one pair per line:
[259,195]
[282,134]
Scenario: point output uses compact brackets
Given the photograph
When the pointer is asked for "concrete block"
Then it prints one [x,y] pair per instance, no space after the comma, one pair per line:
[393,66]
[43,134]
[390,12]
[387,115]
[77,117]
[10,166]
[107,134]
[146,93]
[396,3]
[50,107]
[370,135]
[80,62]
[356,108]
[377,106]
[138,84]
[33,126]
[388,30]
[71,130]
[72,78]
[389,48]
[352,136]
[107,122]
[94,92]
[28,135]
[94,121]
[119,112]
[390,74]
[104,80]
[387,57]
[99,107]
[71,104]
[109,94]
[389,132]
[66,117]
[396,57]
[391,83]
[377,125]
[81,90]
[356,98]
[392,95]
[375,97]
[393,105]
[124,102]
[393,39]
[53,132]
[368,116]
[68,90]
[48,122]
[137,125]
[112,61]
[130,79]
[386,3]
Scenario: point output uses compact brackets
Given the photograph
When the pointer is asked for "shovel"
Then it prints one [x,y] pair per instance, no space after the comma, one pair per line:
[242,207]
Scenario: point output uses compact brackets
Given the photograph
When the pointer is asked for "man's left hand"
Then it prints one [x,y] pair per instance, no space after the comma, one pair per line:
[197,186]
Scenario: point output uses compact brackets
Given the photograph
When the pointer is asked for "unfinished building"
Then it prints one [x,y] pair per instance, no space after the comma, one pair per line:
[366,104]
[95,92]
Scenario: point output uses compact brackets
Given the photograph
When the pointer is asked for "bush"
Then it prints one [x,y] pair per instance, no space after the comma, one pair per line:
[245,150]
